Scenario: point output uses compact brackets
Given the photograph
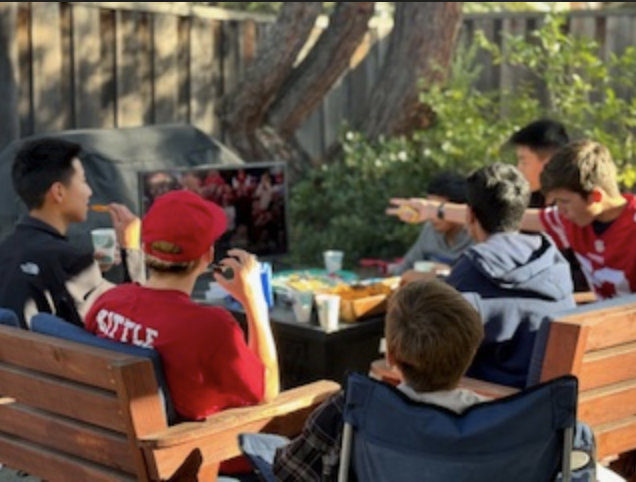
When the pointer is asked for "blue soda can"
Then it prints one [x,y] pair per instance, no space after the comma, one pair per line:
[266,280]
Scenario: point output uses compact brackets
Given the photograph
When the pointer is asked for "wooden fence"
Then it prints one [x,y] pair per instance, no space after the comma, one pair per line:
[69,65]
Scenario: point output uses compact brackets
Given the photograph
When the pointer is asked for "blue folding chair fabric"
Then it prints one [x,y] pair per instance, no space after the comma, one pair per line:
[526,437]
[52,325]
[9,318]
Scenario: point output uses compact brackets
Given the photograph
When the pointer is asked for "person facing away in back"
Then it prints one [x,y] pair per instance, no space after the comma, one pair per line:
[519,277]
[535,144]
[432,333]
[439,240]
[207,362]
[41,270]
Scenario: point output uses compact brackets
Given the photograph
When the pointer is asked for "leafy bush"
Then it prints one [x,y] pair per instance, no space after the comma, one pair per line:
[342,205]
[593,96]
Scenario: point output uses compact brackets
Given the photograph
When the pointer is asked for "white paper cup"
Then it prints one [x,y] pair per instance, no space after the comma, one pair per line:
[424,266]
[105,244]
[328,311]
[302,305]
[333,261]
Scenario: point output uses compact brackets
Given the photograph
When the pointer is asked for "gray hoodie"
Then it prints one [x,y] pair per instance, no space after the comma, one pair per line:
[519,278]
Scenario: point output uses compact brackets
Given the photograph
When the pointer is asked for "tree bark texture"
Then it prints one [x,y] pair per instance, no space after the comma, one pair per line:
[244,110]
[420,49]
[310,82]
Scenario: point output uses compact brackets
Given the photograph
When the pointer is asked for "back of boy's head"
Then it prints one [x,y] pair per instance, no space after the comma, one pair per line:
[498,195]
[580,167]
[543,136]
[39,164]
[432,332]
[448,185]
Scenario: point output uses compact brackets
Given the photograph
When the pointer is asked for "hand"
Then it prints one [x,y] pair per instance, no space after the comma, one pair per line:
[127,226]
[412,210]
[245,284]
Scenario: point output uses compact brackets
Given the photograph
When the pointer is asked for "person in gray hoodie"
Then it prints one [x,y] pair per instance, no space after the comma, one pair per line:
[518,278]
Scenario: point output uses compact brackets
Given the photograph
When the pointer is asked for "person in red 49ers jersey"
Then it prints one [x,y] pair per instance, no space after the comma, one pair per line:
[590,215]
[587,212]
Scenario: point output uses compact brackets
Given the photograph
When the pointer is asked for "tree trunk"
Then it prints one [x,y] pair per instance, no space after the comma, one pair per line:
[311,81]
[420,49]
[274,98]
[243,111]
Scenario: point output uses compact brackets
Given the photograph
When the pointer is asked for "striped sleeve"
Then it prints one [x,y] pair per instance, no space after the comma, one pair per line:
[554,226]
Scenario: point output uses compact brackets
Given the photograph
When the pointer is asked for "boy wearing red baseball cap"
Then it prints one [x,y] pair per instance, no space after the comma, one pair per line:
[207,362]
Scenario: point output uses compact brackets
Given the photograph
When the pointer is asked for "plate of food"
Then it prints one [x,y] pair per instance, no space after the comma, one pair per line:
[283,282]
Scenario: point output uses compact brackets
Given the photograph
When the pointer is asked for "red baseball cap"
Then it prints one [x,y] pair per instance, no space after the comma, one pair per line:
[186,220]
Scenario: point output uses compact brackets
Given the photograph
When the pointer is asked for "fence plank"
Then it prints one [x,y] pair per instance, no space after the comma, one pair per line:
[358,80]
[183,70]
[130,105]
[166,65]
[9,69]
[47,67]
[230,56]
[86,72]
[108,66]
[490,74]
[204,78]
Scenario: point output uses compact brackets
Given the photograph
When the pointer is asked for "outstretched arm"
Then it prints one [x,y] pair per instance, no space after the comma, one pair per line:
[418,210]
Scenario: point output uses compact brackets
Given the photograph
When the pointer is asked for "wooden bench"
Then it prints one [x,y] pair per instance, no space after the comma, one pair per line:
[73,412]
[597,343]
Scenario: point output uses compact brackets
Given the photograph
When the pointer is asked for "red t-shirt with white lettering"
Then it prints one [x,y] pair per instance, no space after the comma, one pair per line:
[608,260]
[207,363]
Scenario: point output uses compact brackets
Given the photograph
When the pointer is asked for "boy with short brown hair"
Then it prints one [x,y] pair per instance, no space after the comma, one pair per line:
[432,333]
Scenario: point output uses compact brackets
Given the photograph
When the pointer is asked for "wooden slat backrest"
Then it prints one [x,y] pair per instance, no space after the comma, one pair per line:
[96,403]
[598,345]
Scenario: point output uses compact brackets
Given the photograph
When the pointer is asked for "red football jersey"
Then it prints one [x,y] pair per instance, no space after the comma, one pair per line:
[207,363]
[608,260]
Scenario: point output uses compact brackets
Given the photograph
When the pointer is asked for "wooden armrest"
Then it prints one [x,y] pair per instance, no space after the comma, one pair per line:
[381,371]
[285,414]
[487,389]
[584,297]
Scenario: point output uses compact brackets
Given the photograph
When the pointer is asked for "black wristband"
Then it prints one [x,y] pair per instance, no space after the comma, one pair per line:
[440,210]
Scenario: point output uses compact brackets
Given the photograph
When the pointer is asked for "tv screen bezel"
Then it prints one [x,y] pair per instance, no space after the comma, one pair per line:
[143,173]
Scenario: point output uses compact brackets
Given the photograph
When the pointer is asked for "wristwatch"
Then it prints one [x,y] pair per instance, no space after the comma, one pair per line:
[440,210]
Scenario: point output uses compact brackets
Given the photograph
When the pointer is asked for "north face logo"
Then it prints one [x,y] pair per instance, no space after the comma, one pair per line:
[30,268]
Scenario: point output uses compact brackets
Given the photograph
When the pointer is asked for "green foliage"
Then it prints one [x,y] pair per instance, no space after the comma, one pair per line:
[592,95]
[342,205]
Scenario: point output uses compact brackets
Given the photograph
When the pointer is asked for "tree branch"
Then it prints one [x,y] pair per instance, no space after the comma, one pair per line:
[423,38]
[243,110]
[315,76]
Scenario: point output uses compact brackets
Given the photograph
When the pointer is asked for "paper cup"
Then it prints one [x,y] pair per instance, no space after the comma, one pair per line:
[333,261]
[302,305]
[328,311]
[424,266]
[105,243]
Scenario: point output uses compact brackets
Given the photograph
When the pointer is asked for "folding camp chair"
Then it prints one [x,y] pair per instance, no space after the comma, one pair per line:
[526,437]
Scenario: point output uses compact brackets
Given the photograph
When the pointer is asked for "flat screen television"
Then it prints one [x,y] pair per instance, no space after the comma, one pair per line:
[254,197]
